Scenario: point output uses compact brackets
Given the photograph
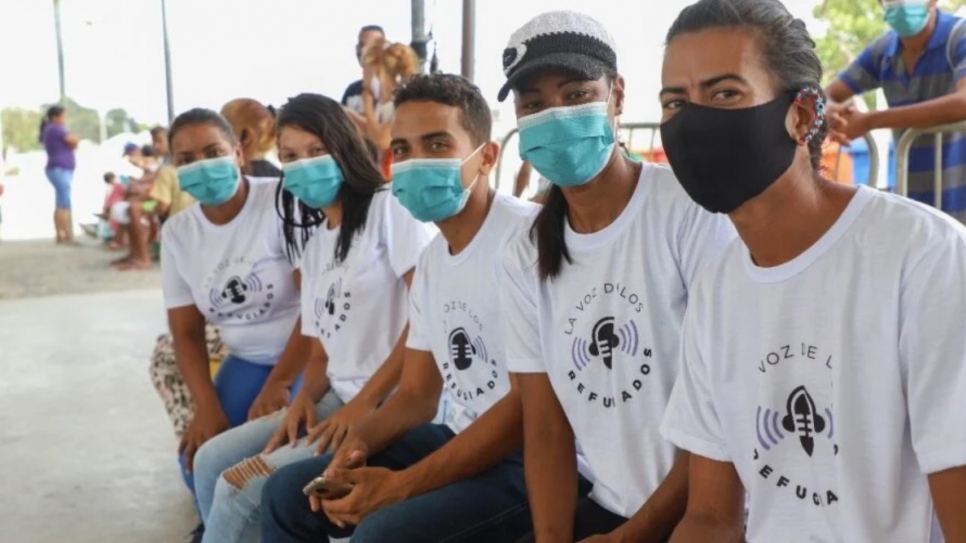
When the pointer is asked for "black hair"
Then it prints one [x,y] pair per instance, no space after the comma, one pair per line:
[787,47]
[158,131]
[147,151]
[200,115]
[325,118]
[109,177]
[53,112]
[372,28]
[451,90]
[547,231]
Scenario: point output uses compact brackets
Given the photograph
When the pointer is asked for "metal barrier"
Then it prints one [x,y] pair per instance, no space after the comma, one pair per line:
[629,127]
[654,128]
[904,147]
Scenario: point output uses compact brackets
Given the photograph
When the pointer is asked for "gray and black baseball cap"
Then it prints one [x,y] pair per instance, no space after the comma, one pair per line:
[564,40]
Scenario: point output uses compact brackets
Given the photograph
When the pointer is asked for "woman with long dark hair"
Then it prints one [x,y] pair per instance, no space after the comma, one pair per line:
[224,260]
[60,145]
[595,292]
[356,267]
[824,354]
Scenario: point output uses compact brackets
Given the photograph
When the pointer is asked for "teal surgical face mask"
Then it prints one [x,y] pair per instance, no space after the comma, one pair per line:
[432,188]
[212,182]
[315,181]
[907,17]
[568,145]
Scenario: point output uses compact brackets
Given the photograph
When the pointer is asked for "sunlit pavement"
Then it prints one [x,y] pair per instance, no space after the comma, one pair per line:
[86,451]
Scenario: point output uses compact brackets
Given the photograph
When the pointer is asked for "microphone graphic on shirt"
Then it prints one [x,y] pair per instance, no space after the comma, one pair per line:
[461,348]
[604,340]
[803,418]
[335,291]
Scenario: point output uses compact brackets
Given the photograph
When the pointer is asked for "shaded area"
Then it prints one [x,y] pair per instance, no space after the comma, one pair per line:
[88,453]
[41,268]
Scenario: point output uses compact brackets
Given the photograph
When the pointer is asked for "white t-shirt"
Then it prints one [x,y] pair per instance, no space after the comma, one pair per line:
[358,307]
[456,312]
[833,382]
[237,274]
[607,329]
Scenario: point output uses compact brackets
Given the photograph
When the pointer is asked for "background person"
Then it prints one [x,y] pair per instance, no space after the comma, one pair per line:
[254,128]
[352,98]
[920,64]
[60,145]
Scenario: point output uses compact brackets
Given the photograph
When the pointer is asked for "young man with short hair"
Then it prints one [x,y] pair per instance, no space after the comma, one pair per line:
[920,64]
[425,482]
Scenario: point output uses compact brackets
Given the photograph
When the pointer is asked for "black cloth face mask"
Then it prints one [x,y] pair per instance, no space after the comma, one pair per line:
[725,157]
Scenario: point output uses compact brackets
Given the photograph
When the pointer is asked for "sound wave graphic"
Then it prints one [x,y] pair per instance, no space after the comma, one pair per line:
[626,339]
[768,428]
[580,353]
[481,348]
[630,339]
[320,308]
[254,283]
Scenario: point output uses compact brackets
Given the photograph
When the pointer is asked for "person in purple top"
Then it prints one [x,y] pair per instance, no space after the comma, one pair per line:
[60,146]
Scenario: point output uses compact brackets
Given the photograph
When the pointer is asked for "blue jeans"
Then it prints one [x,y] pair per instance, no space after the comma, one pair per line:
[488,508]
[237,384]
[60,179]
[232,514]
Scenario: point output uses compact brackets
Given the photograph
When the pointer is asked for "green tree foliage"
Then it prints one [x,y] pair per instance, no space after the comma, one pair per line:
[20,126]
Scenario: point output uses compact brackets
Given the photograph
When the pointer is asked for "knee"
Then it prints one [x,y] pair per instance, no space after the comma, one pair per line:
[240,476]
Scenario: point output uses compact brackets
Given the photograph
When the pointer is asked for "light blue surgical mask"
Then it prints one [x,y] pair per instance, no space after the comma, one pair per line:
[907,18]
[315,181]
[212,182]
[432,188]
[568,145]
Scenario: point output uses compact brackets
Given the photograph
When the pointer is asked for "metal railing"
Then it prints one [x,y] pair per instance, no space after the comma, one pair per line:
[904,147]
[654,128]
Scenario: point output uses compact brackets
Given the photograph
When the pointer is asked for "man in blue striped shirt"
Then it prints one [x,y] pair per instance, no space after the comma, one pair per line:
[920,64]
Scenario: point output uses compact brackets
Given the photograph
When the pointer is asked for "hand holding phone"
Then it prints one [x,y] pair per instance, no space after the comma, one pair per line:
[324,489]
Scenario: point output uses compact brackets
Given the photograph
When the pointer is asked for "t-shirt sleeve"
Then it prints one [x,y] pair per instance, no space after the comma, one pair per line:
[521,332]
[932,352]
[691,420]
[863,74]
[957,49]
[165,188]
[418,332]
[701,239]
[174,287]
[406,237]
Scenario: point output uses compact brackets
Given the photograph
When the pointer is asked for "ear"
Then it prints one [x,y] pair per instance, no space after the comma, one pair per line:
[802,117]
[618,95]
[239,157]
[490,155]
[244,137]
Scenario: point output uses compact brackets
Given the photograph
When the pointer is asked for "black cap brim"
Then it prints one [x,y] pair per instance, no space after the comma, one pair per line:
[580,65]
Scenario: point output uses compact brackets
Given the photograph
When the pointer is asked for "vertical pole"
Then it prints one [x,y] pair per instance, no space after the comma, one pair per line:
[420,39]
[167,60]
[469,39]
[60,53]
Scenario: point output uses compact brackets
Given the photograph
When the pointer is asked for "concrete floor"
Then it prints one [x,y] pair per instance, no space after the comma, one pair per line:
[86,451]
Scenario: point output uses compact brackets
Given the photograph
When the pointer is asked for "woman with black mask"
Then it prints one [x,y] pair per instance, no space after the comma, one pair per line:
[594,293]
[824,353]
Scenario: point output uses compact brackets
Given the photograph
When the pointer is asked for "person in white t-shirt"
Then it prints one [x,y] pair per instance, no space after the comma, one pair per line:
[461,480]
[824,358]
[594,293]
[223,260]
[355,271]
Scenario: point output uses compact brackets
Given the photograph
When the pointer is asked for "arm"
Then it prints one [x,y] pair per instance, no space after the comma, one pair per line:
[947,109]
[656,519]
[488,440]
[378,132]
[715,510]
[950,502]
[550,460]
[71,141]
[414,403]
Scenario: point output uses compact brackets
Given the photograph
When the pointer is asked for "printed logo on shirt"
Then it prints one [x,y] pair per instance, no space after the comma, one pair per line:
[611,360]
[331,311]
[237,289]
[470,370]
[800,429]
